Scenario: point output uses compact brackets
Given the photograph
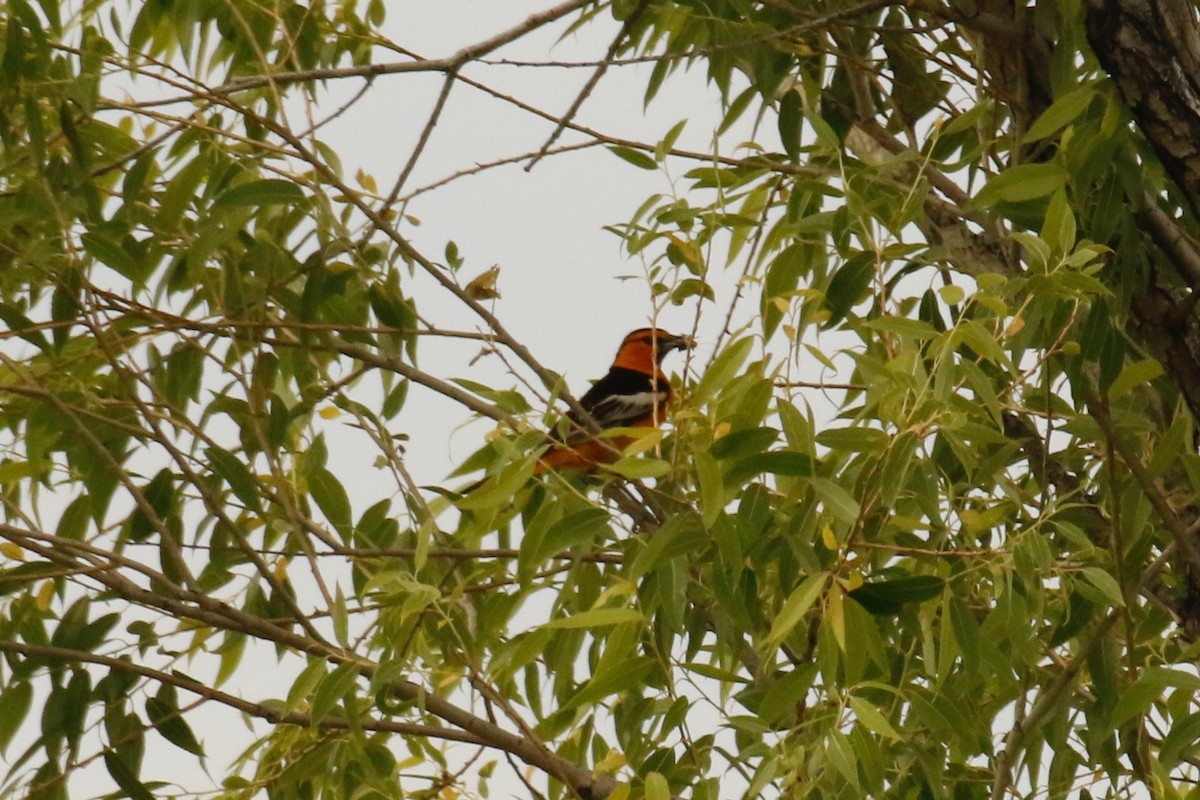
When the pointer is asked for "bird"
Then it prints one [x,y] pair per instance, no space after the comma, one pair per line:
[634,394]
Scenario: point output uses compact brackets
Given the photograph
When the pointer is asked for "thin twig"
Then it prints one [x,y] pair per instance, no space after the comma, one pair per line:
[413,157]
[271,714]
[616,44]
[1185,543]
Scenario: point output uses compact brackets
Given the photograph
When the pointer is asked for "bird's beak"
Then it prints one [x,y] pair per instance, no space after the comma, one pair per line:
[683,342]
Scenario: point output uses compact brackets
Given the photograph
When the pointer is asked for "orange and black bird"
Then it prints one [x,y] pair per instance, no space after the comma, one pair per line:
[634,394]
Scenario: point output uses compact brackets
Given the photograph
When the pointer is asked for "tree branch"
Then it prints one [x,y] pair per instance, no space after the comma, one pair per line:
[1184,541]
[1151,49]
[183,604]
[60,655]
[617,41]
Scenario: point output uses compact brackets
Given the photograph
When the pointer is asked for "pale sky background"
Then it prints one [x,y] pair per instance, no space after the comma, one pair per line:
[559,280]
[561,293]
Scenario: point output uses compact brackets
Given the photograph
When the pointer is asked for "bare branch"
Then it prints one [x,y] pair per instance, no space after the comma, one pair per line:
[617,42]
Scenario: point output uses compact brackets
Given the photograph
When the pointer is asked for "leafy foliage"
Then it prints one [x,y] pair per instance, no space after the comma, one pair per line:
[923,526]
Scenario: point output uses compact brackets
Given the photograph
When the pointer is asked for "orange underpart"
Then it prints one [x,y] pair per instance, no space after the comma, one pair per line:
[640,352]
[583,456]
[587,455]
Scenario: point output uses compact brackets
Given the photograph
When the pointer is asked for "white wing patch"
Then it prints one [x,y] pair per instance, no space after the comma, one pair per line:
[624,409]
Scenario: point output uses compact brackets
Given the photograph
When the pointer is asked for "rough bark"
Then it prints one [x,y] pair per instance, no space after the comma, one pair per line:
[1151,48]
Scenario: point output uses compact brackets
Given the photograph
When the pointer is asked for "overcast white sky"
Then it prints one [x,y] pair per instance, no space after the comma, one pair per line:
[560,284]
[560,271]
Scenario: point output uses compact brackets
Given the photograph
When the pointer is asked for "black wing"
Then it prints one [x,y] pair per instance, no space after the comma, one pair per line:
[622,397]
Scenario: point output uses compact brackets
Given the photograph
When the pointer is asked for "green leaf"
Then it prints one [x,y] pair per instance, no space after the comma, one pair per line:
[791,119]
[1106,583]
[657,787]
[764,776]
[1134,375]
[744,442]
[904,326]
[235,473]
[737,107]
[1058,230]
[184,373]
[1135,701]
[783,276]
[1020,183]
[1180,742]
[596,618]
[125,777]
[1061,113]
[889,596]
[979,339]
[15,701]
[683,533]
[966,633]
[260,193]
[848,286]
[724,367]
[668,141]
[839,751]
[233,645]
[1037,251]
[712,495]
[788,463]
[639,467]
[796,606]
[588,526]
[853,440]
[110,252]
[332,688]
[837,501]
[787,689]
[163,711]
[635,157]
[331,498]
[872,717]
[692,287]
[23,326]
[180,192]
[306,683]
[627,675]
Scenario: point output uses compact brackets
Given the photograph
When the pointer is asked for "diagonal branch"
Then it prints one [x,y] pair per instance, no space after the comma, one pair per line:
[185,604]
[448,64]
[1185,542]
[616,45]
[1171,239]
[1015,741]
[268,713]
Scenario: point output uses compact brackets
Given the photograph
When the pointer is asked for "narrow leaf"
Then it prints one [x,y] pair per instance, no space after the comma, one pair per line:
[635,157]
[331,497]
[1134,375]
[260,193]
[1020,183]
[235,473]
[872,717]
[796,606]
[596,618]
[837,501]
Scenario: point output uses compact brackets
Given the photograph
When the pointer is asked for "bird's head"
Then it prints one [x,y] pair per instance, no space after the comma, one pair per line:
[647,346]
